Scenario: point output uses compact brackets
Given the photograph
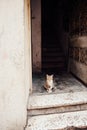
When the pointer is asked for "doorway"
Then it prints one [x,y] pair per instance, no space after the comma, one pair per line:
[62,41]
[53,56]
[68,89]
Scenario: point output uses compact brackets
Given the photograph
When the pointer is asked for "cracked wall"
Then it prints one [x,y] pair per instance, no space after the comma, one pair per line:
[12,86]
[78,41]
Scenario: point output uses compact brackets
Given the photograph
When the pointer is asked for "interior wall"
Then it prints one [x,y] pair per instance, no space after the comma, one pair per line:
[36,35]
[78,57]
[78,41]
[12,66]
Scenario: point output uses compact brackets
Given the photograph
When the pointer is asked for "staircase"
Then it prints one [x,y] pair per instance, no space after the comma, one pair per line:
[57,111]
[53,59]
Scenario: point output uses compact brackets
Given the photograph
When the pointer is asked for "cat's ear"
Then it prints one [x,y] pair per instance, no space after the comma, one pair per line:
[52,75]
[46,75]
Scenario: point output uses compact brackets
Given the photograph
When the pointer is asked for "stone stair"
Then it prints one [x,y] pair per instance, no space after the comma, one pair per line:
[62,121]
[57,111]
[52,57]
[57,103]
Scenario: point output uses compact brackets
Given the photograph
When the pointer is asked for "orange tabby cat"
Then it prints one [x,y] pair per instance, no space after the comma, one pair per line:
[49,83]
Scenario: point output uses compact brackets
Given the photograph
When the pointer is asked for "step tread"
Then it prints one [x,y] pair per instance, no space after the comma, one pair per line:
[52,65]
[57,121]
[56,59]
[54,70]
[52,49]
[53,54]
[57,100]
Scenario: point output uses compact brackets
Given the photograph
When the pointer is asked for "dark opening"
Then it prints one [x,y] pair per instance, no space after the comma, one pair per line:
[54,36]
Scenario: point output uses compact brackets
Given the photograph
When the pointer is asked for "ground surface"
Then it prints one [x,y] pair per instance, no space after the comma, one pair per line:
[58,121]
[65,107]
[63,82]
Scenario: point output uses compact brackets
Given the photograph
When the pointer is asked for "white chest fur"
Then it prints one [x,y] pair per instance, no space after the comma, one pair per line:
[50,83]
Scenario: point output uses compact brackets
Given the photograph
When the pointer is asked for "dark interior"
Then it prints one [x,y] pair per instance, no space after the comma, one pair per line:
[55,34]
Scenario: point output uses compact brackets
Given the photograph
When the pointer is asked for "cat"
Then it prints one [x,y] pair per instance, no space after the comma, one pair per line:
[49,85]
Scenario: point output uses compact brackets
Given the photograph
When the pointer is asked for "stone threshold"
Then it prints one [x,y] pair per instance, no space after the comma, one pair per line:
[57,100]
[57,103]
[54,110]
[57,121]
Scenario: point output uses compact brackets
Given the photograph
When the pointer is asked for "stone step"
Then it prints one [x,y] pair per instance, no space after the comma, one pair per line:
[53,65]
[52,59]
[51,44]
[58,54]
[61,121]
[51,49]
[57,103]
[54,70]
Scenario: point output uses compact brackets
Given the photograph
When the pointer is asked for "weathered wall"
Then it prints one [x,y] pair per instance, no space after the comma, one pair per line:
[78,42]
[36,35]
[78,57]
[12,87]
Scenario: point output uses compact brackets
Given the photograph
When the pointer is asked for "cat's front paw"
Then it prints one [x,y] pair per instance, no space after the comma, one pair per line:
[49,91]
[54,88]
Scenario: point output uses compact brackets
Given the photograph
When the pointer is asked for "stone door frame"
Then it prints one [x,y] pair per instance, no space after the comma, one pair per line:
[28,56]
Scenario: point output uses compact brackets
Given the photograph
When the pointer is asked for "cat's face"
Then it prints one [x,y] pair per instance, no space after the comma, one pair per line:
[49,77]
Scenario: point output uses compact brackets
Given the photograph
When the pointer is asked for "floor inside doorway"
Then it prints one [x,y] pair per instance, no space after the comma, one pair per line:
[64,82]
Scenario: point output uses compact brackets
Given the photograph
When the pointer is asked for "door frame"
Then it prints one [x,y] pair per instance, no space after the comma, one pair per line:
[27,48]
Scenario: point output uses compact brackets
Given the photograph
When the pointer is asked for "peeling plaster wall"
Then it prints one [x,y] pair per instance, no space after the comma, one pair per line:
[36,35]
[78,41]
[78,63]
[12,88]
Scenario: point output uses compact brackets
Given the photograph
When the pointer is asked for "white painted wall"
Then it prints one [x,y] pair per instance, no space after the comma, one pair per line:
[12,81]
